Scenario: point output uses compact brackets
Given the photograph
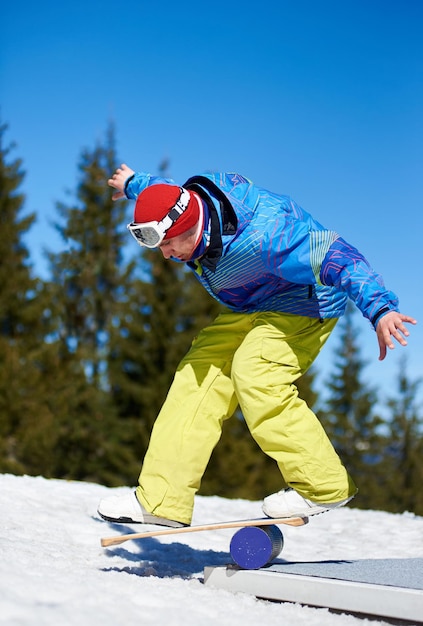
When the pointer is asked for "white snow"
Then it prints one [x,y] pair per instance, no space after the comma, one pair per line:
[53,570]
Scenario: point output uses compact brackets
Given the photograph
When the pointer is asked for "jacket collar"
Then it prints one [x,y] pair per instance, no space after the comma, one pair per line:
[227,224]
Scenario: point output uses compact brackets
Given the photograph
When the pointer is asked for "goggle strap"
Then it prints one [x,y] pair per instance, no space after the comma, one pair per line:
[174,214]
[167,222]
[176,211]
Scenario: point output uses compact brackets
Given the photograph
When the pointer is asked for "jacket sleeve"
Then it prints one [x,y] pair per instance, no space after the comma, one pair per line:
[303,252]
[345,268]
[139,181]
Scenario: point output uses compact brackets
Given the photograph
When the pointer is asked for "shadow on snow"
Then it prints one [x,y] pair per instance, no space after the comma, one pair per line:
[165,560]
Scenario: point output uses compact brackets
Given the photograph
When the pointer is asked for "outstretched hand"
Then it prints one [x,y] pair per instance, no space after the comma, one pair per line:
[119,179]
[392,325]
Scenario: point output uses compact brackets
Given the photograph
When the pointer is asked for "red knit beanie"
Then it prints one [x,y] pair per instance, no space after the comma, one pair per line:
[155,202]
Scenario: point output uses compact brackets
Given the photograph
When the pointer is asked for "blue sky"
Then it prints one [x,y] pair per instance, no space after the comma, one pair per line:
[319,100]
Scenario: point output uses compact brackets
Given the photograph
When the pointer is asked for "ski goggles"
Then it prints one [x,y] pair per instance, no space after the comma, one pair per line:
[151,234]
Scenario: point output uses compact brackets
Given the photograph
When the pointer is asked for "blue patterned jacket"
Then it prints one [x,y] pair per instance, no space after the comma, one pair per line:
[268,254]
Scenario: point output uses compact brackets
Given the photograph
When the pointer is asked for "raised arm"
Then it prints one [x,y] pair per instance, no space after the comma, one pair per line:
[119,179]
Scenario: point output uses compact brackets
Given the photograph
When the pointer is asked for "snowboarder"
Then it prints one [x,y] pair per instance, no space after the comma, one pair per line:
[285,280]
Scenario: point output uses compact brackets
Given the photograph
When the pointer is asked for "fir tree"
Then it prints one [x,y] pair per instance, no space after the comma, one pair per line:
[404,454]
[22,319]
[18,289]
[88,291]
[90,272]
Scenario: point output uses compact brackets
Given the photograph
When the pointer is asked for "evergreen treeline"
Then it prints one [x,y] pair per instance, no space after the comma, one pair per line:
[87,357]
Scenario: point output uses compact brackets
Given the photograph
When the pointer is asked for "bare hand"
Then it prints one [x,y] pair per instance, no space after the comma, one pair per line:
[119,179]
[392,325]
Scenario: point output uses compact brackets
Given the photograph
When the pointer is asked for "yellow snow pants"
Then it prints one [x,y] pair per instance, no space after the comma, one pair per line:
[251,360]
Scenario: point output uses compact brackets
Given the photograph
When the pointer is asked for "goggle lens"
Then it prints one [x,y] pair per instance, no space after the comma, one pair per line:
[145,235]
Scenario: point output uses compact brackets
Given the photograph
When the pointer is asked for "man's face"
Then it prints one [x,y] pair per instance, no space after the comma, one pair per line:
[180,247]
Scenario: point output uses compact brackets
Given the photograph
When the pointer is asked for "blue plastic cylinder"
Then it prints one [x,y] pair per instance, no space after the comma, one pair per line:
[253,547]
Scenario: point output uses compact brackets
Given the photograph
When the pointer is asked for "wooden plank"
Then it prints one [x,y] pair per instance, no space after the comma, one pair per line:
[265,521]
